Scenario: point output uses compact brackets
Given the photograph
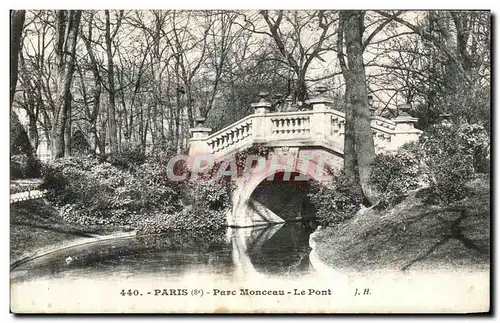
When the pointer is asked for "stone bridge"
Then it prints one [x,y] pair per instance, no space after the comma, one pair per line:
[302,144]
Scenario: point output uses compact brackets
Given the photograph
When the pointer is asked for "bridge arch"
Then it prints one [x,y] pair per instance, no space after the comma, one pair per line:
[246,211]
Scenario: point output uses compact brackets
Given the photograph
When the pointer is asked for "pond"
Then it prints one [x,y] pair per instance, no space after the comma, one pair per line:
[279,250]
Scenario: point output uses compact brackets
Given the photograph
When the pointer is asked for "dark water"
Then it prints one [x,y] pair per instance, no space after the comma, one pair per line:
[276,250]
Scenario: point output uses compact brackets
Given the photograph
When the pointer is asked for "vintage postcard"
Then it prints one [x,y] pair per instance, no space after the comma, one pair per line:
[250,161]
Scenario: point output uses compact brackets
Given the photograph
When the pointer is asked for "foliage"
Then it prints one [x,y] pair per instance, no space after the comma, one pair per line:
[79,144]
[85,187]
[127,158]
[23,162]
[23,166]
[182,221]
[394,175]
[445,158]
[337,201]
[89,191]
[452,154]
[204,207]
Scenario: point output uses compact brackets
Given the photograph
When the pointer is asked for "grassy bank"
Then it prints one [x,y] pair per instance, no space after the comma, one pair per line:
[414,235]
[36,224]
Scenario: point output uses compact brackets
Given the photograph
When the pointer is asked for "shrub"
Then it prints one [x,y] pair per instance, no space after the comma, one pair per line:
[449,173]
[84,183]
[24,166]
[337,201]
[445,158]
[207,195]
[127,158]
[91,192]
[452,154]
[79,144]
[187,219]
[152,189]
[94,191]
[184,240]
[394,175]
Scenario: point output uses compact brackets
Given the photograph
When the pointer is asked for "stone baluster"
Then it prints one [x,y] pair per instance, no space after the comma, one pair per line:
[405,130]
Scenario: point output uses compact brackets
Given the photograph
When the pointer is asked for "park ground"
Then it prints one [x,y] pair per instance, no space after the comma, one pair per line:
[36,226]
[413,235]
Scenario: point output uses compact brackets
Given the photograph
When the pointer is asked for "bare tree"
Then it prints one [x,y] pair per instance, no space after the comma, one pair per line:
[67,25]
[113,140]
[296,43]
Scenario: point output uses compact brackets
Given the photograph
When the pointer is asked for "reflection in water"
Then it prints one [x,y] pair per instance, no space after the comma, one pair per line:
[274,250]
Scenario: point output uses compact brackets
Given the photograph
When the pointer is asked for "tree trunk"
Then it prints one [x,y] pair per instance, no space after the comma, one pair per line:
[113,141]
[33,131]
[349,149]
[356,88]
[67,131]
[349,139]
[301,87]
[16,28]
[67,26]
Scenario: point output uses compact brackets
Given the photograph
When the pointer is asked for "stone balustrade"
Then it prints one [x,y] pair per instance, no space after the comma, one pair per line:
[320,126]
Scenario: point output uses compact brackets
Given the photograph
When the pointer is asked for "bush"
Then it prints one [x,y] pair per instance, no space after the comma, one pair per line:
[24,166]
[394,175]
[79,144]
[88,190]
[85,184]
[91,192]
[337,201]
[203,207]
[184,220]
[445,158]
[450,172]
[452,154]
[184,240]
[151,189]
[126,159]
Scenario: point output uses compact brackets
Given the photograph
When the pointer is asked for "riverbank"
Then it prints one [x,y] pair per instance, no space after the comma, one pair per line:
[36,227]
[412,236]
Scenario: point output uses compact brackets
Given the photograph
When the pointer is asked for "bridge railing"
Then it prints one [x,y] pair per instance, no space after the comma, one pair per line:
[321,126]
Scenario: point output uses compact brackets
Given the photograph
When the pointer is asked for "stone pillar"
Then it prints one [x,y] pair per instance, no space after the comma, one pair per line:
[405,130]
[197,143]
[321,122]
[263,106]
[261,125]
[320,102]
